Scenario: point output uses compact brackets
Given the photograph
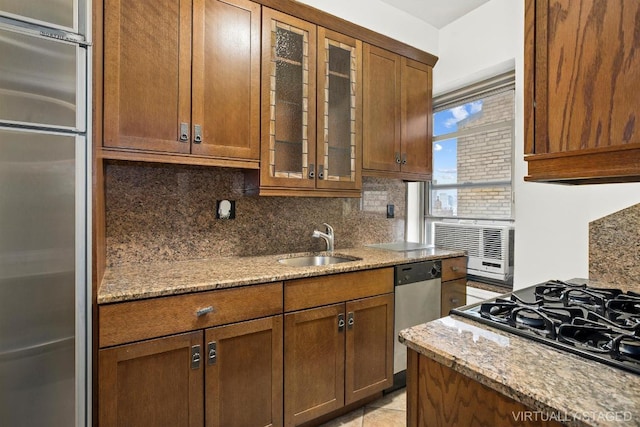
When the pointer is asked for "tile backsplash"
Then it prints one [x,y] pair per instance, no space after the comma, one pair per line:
[614,248]
[159,212]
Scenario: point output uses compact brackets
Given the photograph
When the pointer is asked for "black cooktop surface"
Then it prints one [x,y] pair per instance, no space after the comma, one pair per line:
[597,323]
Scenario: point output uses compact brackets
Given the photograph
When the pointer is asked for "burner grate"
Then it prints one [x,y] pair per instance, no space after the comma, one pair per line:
[597,323]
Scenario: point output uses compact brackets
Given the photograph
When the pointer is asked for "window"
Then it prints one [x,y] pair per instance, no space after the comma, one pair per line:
[473,133]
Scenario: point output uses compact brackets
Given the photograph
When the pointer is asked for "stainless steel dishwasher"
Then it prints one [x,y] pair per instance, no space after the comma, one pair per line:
[417,300]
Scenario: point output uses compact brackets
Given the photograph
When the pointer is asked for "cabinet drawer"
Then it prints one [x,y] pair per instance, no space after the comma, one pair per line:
[454,295]
[136,320]
[454,268]
[323,290]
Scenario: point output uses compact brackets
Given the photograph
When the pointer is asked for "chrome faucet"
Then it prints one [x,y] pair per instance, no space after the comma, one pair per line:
[328,236]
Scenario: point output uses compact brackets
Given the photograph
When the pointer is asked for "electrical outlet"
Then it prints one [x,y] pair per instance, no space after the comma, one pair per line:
[390,213]
[225,209]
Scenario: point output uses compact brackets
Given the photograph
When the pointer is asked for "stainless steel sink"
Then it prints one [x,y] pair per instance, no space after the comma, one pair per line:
[314,260]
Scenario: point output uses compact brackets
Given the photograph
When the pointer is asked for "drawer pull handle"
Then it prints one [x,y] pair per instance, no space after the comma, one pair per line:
[204,311]
[454,268]
[455,300]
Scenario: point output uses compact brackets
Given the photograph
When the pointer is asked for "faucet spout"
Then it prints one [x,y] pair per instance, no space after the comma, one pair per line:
[327,237]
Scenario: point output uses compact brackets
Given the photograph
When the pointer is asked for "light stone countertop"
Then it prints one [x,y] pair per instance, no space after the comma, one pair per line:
[570,388]
[139,281]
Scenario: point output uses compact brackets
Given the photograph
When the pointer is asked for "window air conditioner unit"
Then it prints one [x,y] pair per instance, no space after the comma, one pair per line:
[489,247]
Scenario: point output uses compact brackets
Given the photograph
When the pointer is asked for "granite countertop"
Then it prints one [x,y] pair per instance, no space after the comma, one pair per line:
[139,281]
[570,388]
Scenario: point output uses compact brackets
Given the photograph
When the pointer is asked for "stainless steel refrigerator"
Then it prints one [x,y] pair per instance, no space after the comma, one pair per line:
[44,193]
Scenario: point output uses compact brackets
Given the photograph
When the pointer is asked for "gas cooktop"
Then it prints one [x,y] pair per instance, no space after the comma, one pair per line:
[601,324]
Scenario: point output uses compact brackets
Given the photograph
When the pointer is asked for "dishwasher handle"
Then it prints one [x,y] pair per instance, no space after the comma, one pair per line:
[417,272]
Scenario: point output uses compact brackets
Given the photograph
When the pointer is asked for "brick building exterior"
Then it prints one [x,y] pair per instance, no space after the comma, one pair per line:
[485,156]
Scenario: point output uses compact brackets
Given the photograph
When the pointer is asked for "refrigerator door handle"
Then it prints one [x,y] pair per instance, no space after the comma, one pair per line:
[34,349]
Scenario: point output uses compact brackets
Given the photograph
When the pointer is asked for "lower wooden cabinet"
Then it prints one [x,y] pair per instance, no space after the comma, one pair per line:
[232,377]
[243,374]
[298,351]
[369,347]
[336,355]
[453,295]
[439,396]
[454,284]
[314,363]
[151,383]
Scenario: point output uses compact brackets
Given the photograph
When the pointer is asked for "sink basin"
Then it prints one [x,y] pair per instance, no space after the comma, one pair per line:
[314,260]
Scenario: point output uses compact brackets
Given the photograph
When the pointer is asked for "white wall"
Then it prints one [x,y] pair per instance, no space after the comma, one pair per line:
[552,221]
[384,19]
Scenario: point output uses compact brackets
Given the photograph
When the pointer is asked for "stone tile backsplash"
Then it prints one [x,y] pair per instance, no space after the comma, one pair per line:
[159,212]
[614,248]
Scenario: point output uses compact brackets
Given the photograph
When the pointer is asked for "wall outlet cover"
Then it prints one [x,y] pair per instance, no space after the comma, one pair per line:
[225,209]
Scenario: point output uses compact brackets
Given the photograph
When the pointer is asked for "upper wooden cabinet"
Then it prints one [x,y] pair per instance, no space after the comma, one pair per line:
[266,84]
[381,110]
[183,78]
[310,109]
[339,126]
[397,109]
[416,111]
[582,77]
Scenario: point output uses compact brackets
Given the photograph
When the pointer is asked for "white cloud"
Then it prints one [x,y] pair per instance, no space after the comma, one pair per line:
[437,147]
[459,113]
[475,106]
[449,123]
[447,171]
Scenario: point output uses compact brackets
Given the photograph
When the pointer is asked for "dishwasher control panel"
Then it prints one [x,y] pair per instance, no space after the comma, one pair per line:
[417,272]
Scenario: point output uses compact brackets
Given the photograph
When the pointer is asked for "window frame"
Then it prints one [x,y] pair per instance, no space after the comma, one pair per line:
[495,85]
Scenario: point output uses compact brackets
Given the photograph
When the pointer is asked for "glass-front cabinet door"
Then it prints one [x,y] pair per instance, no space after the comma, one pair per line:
[311,139]
[339,135]
[288,146]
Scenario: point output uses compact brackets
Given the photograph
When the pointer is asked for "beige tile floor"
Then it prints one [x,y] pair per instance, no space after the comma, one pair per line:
[388,411]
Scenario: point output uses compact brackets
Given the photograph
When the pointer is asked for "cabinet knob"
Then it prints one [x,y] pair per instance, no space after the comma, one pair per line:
[212,353]
[312,171]
[340,322]
[320,172]
[398,158]
[404,159]
[184,132]
[350,320]
[197,134]
[454,300]
[195,357]
[454,268]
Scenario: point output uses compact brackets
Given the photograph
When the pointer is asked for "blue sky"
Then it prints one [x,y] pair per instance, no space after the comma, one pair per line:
[445,151]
